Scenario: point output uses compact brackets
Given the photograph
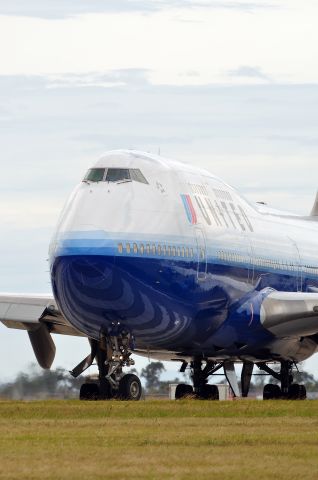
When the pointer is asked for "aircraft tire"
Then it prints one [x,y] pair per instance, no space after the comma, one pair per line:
[297,392]
[209,392]
[183,390]
[105,389]
[129,387]
[271,392]
[89,391]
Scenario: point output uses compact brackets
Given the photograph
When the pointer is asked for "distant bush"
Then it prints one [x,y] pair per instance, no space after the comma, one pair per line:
[39,384]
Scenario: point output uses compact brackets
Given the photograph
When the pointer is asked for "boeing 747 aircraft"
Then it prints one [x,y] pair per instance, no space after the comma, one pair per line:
[158,258]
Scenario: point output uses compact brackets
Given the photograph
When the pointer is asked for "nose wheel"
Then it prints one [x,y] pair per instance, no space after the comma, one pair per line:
[129,387]
[112,354]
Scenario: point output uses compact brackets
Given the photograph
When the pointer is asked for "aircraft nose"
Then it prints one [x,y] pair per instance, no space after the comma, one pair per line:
[81,283]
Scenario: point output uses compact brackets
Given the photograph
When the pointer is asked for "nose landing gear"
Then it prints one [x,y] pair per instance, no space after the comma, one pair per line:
[112,353]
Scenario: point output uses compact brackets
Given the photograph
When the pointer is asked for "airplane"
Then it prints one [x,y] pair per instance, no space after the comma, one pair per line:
[157,258]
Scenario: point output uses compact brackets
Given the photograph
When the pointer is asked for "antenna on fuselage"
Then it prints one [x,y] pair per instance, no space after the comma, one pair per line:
[159,151]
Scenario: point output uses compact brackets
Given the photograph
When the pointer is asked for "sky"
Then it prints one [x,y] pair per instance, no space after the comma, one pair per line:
[230,86]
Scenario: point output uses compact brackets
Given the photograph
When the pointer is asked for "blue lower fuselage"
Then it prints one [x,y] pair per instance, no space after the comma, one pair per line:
[174,305]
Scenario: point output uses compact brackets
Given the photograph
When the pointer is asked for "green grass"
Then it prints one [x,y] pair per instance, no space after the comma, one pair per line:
[159,439]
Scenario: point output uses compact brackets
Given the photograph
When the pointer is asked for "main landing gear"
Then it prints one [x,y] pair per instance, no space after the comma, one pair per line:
[199,374]
[201,369]
[112,353]
[288,390]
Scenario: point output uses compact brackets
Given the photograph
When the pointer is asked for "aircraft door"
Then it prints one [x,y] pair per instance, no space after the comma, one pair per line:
[297,265]
[241,252]
[250,256]
[201,253]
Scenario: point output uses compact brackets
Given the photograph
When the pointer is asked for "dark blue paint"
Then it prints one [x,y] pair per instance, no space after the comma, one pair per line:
[183,315]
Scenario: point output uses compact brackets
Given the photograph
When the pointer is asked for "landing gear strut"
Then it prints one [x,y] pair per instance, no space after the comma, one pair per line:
[112,353]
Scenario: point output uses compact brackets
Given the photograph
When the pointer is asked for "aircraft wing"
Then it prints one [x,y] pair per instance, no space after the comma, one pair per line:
[290,313]
[40,316]
[28,311]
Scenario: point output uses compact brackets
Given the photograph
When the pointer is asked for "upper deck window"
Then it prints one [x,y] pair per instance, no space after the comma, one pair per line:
[95,175]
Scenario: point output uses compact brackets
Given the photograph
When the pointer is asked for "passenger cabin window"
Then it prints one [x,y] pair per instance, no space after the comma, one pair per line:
[95,175]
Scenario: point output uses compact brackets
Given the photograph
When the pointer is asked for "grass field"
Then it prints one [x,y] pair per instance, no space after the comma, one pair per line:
[159,439]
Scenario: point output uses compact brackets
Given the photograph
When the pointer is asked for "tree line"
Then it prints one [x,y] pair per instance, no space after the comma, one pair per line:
[58,383]
[36,383]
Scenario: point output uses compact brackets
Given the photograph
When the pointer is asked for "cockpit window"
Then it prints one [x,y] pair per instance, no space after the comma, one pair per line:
[136,175]
[95,175]
[122,174]
[117,174]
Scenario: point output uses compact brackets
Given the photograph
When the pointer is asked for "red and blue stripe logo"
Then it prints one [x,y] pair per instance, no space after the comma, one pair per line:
[188,205]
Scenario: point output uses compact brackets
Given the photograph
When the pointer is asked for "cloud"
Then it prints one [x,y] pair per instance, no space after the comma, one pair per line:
[232,130]
[234,41]
[112,78]
[67,8]
[58,9]
[190,74]
[304,140]
[4,113]
[249,72]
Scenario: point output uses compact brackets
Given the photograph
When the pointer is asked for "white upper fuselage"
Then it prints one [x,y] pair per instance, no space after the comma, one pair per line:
[155,210]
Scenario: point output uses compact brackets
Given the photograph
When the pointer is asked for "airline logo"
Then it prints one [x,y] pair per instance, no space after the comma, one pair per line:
[188,205]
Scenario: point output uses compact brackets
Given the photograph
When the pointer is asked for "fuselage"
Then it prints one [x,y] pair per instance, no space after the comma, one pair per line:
[179,258]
